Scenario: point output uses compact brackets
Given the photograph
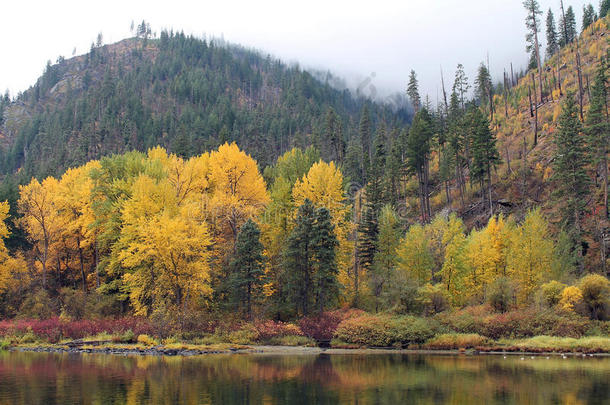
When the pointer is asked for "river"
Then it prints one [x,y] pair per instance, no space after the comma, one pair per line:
[46,378]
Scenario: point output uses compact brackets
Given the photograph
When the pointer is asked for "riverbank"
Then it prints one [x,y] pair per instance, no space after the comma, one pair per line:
[539,345]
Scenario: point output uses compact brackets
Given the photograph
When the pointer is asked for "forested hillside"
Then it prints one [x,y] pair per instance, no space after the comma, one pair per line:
[184,93]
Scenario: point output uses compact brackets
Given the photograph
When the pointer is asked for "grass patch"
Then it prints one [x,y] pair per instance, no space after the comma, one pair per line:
[590,344]
[291,340]
[453,341]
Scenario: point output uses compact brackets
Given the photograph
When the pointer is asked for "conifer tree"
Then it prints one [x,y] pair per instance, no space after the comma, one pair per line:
[485,155]
[552,45]
[570,175]
[247,267]
[598,128]
[365,138]
[532,23]
[298,258]
[568,27]
[381,272]
[413,91]
[460,85]
[588,16]
[418,157]
[604,7]
[324,244]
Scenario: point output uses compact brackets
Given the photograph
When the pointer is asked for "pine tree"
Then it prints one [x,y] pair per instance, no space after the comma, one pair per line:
[598,128]
[532,23]
[375,193]
[353,164]
[483,85]
[368,230]
[588,16]
[570,175]
[460,85]
[413,91]
[365,138]
[485,155]
[552,46]
[298,258]
[418,157]
[604,7]
[324,245]
[568,27]
[381,271]
[247,267]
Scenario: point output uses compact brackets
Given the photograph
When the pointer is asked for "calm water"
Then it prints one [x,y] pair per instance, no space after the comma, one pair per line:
[40,378]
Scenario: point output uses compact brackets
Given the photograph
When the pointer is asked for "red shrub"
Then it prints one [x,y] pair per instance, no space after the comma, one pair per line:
[270,329]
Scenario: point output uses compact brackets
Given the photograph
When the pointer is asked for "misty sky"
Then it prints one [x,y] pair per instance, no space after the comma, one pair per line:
[350,38]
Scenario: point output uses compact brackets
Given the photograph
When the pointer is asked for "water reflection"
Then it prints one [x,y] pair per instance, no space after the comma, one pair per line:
[39,378]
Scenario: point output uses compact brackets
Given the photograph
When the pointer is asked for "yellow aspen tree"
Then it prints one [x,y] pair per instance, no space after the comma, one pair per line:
[11,268]
[530,255]
[74,208]
[165,247]
[454,261]
[38,205]
[237,192]
[414,257]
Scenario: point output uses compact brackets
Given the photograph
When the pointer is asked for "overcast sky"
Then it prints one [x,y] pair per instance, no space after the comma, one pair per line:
[353,39]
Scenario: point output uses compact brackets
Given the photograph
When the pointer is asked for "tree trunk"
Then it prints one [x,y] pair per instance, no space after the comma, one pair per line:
[580,89]
[538,57]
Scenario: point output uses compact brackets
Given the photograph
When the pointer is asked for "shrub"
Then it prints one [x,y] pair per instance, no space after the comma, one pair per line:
[596,295]
[244,336]
[456,341]
[433,298]
[386,330]
[147,340]
[551,292]
[570,297]
[272,329]
[501,294]
[323,326]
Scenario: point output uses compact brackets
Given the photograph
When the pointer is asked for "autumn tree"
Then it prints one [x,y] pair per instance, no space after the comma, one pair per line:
[38,207]
[237,193]
[530,255]
[413,255]
[12,267]
[165,247]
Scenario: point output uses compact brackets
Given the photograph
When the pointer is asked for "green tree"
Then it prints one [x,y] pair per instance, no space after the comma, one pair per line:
[604,6]
[552,45]
[588,16]
[568,27]
[324,263]
[460,85]
[247,267]
[598,128]
[570,176]
[532,23]
[381,272]
[365,138]
[298,258]
[413,91]
[485,154]
[418,157]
